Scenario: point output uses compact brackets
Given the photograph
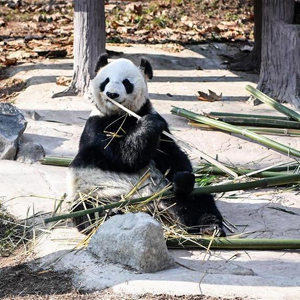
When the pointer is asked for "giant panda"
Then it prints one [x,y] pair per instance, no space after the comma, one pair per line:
[116,150]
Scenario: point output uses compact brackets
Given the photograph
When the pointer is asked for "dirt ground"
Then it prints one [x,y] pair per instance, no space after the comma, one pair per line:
[19,282]
[35,30]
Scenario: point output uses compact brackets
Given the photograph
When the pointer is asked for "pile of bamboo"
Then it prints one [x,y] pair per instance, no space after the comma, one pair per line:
[246,126]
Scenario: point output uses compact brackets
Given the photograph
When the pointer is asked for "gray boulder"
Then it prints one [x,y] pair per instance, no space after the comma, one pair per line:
[12,126]
[133,240]
[30,153]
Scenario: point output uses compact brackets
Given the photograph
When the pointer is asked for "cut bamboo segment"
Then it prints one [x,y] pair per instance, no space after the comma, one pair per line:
[263,183]
[234,244]
[271,102]
[61,161]
[234,129]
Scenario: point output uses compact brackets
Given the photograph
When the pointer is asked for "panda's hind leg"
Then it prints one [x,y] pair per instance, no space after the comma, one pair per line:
[198,213]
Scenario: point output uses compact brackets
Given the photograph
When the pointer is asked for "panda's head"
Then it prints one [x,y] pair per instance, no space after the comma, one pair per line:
[122,81]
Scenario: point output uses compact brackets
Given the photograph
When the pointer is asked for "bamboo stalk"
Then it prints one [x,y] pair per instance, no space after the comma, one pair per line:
[235,244]
[216,171]
[261,130]
[260,122]
[62,161]
[290,167]
[234,129]
[263,183]
[249,116]
[271,102]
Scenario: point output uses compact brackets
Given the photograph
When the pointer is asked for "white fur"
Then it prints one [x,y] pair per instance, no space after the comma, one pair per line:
[111,185]
[117,71]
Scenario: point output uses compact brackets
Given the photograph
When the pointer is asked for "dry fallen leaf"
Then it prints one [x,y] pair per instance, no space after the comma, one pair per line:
[211,97]
[63,80]
[8,61]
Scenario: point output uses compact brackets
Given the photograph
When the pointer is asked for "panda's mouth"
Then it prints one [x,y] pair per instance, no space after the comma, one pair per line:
[120,101]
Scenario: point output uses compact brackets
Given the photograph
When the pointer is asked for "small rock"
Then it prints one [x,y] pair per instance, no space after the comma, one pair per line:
[247,48]
[32,114]
[30,153]
[253,101]
[134,240]
[12,126]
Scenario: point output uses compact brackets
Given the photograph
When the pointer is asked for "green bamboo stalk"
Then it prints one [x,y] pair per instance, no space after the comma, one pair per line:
[216,171]
[263,183]
[261,130]
[260,122]
[234,129]
[271,102]
[285,168]
[235,244]
[249,116]
[61,161]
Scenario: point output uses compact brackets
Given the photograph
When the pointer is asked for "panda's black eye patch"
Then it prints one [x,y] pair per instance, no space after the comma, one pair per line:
[103,84]
[128,86]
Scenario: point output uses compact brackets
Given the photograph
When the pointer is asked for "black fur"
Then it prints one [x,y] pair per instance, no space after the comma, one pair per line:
[142,143]
[103,84]
[128,86]
[101,62]
[147,68]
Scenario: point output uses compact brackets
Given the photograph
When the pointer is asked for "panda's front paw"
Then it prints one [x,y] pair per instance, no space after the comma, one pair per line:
[183,183]
[152,121]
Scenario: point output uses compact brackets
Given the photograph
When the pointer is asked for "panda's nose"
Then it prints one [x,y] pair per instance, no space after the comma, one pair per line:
[112,95]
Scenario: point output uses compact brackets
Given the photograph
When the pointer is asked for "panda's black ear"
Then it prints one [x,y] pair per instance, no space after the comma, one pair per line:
[102,61]
[146,68]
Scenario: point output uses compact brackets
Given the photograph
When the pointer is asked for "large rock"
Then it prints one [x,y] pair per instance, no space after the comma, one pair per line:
[134,240]
[12,126]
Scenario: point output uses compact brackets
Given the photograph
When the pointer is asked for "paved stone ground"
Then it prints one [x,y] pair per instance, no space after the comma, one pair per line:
[250,274]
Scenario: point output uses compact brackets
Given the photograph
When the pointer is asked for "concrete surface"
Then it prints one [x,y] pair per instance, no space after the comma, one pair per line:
[249,274]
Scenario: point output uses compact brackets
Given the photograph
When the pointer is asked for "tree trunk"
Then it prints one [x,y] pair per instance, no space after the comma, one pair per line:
[280,68]
[256,53]
[89,43]
[251,61]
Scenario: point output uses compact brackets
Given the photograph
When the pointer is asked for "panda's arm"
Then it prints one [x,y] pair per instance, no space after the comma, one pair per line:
[129,153]
[169,157]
